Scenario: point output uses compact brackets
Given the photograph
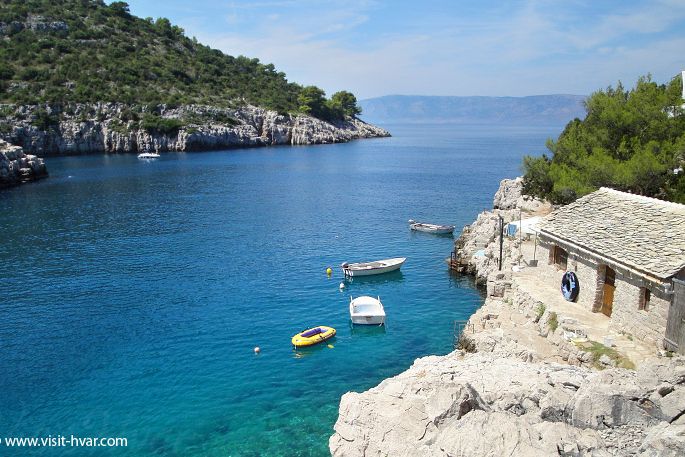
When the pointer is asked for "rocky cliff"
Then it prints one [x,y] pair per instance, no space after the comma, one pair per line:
[17,167]
[117,128]
[519,384]
[477,249]
[485,404]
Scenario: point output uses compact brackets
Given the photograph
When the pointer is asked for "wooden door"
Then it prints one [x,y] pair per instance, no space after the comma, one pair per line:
[675,325]
[608,291]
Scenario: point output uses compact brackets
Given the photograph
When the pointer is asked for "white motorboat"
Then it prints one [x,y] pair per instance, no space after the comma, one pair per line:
[430,228]
[372,268]
[367,310]
[148,155]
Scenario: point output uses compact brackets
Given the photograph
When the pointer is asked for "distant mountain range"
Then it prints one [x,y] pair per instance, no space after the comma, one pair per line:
[539,109]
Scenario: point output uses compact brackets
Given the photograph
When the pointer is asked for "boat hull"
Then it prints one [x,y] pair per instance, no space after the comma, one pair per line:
[148,155]
[368,320]
[438,230]
[353,270]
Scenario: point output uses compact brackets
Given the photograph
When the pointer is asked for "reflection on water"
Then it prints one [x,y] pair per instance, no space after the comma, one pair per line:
[385,278]
[419,234]
[367,331]
[308,351]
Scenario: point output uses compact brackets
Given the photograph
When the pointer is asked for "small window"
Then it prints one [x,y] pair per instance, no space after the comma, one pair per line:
[645,297]
[560,257]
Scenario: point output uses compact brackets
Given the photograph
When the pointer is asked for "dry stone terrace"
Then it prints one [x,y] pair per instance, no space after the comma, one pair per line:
[575,320]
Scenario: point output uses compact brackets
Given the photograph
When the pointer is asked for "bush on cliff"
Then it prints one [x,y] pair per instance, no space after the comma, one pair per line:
[630,140]
[157,124]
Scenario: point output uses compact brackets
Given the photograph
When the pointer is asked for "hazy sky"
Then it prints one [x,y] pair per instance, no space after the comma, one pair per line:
[457,47]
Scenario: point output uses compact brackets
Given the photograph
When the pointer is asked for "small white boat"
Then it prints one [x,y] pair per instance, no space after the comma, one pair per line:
[367,310]
[148,155]
[372,268]
[430,228]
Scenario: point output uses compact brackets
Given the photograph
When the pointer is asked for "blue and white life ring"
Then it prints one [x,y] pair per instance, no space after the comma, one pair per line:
[570,286]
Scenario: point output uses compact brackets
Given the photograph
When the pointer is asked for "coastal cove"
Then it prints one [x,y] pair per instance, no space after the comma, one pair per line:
[134,292]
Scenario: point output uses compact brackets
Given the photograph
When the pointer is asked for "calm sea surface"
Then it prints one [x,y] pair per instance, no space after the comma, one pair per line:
[132,294]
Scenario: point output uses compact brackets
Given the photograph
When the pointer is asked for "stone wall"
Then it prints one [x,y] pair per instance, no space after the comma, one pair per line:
[586,271]
[646,325]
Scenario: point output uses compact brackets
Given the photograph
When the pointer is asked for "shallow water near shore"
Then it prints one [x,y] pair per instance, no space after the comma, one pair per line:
[133,293]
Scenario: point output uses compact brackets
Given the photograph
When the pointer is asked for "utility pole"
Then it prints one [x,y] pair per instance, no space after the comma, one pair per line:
[501,240]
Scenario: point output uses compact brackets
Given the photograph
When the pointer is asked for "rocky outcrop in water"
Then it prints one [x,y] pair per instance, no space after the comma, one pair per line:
[118,128]
[17,167]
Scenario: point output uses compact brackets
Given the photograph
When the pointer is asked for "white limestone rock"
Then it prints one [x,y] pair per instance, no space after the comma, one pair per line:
[664,440]
[508,194]
[17,167]
[495,404]
[103,128]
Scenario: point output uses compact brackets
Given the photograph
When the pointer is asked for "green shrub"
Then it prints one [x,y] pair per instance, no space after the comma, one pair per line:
[539,311]
[6,111]
[553,323]
[630,140]
[43,120]
[157,124]
[598,350]
[118,127]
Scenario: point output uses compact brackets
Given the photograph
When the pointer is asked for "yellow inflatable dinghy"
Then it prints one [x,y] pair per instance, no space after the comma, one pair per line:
[313,336]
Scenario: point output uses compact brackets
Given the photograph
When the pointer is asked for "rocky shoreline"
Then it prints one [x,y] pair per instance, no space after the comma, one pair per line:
[29,133]
[17,167]
[518,384]
[48,130]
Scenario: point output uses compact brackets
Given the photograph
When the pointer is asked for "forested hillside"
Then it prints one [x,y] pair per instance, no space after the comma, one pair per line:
[85,51]
[630,140]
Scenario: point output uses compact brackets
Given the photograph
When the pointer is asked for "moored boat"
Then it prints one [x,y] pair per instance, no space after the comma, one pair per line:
[313,336]
[372,268]
[148,155]
[431,228]
[367,310]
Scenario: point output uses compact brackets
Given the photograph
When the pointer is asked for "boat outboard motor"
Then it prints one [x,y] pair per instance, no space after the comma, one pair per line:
[345,264]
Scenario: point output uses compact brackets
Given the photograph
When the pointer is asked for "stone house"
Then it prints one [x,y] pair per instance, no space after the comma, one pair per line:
[628,253]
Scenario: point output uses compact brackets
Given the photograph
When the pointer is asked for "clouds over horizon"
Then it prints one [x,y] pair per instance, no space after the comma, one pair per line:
[375,48]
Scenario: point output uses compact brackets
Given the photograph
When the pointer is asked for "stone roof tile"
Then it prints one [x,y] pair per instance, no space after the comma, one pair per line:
[640,232]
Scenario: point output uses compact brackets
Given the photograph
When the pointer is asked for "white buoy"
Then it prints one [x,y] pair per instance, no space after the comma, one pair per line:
[342,285]
[257,350]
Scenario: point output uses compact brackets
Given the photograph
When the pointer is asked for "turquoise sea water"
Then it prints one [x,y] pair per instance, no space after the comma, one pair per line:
[132,294]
